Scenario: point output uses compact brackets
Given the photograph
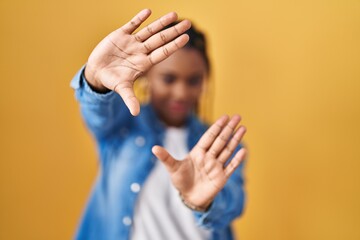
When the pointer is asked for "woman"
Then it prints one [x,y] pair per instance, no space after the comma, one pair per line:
[196,191]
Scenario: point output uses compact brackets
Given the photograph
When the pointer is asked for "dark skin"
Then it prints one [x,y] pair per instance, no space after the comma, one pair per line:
[176,80]
[176,85]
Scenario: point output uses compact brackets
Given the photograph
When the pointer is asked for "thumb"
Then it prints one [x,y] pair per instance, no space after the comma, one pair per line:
[170,163]
[127,94]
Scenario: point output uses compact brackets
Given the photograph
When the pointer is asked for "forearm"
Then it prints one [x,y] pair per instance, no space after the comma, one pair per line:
[103,113]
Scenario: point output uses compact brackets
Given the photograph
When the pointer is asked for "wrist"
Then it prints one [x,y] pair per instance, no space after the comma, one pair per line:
[199,208]
[91,80]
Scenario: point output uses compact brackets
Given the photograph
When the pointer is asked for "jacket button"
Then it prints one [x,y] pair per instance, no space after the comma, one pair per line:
[127,221]
[135,187]
[140,141]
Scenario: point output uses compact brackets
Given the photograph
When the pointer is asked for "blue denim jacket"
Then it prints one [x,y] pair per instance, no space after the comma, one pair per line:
[124,145]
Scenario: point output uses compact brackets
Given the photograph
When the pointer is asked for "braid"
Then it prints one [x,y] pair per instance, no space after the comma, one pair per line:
[196,41]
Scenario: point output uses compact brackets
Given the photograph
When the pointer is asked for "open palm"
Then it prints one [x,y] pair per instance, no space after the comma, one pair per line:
[121,57]
[204,172]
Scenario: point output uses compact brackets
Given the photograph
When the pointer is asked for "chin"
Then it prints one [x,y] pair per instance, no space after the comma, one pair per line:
[176,122]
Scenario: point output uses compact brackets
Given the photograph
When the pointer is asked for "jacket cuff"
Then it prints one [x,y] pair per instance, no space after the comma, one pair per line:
[217,208]
[84,92]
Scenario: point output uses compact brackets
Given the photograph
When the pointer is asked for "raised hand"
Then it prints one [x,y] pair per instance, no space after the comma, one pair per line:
[203,173]
[121,57]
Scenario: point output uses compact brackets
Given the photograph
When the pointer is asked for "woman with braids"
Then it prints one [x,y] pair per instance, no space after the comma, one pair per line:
[163,173]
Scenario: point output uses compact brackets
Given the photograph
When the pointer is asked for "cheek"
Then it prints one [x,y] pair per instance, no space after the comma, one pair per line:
[196,93]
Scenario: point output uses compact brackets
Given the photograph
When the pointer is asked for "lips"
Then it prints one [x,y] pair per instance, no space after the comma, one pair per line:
[178,107]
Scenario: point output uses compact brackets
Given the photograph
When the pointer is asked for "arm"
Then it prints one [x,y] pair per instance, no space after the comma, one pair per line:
[104,113]
[228,203]
[210,177]
[114,65]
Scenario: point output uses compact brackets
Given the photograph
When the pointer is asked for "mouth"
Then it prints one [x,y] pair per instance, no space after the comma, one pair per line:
[178,107]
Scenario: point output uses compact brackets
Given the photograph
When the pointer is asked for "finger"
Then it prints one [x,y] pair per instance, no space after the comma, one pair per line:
[165,51]
[235,162]
[166,36]
[210,135]
[232,144]
[155,26]
[223,138]
[126,92]
[170,163]
[136,21]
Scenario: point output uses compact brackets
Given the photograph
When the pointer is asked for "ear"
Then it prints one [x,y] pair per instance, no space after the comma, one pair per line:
[141,88]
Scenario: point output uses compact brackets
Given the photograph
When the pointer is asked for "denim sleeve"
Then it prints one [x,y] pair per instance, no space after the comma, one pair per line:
[103,113]
[227,205]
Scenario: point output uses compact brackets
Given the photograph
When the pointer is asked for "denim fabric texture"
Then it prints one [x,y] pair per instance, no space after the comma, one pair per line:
[125,160]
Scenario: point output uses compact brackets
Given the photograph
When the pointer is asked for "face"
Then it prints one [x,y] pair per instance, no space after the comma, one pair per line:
[176,85]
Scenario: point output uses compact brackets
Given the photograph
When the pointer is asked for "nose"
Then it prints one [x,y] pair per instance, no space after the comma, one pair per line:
[180,91]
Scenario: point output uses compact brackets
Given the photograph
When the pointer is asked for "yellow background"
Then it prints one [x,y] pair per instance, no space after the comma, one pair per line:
[290,68]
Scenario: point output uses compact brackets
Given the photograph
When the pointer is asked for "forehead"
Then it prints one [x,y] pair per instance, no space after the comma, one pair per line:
[183,62]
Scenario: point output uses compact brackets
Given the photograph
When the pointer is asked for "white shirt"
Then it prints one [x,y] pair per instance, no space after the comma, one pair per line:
[159,211]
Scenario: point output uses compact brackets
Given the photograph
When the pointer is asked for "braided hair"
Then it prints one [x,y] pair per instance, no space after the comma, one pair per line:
[196,41]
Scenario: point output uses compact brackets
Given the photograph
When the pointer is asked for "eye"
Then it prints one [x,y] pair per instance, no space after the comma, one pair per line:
[169,78]
[194,81]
